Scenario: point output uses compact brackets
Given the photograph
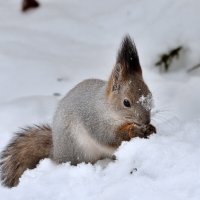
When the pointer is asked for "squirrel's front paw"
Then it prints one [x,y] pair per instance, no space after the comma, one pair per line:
[126,131]
[148,130]
[141,131]
[131,130]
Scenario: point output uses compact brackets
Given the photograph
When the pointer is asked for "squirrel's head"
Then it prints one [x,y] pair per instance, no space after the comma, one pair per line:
[127,92]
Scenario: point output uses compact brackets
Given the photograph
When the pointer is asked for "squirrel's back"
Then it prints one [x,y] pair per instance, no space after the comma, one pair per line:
[86,139]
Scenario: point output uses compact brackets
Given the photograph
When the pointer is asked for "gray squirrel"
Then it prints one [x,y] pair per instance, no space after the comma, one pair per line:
[90,122]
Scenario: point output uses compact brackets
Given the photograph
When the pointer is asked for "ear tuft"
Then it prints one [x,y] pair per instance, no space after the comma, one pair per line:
[127,64]
[128,57]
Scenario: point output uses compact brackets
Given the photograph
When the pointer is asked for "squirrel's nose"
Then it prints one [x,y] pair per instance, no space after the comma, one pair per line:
[145,119]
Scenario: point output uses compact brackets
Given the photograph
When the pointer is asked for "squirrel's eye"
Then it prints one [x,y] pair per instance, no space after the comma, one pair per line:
[126,103]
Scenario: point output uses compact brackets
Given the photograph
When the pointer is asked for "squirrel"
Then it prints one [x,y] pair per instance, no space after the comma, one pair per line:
[90,122]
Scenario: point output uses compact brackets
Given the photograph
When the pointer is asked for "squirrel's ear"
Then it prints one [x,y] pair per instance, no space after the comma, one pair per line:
[128,58]
[116,77]
[127,64]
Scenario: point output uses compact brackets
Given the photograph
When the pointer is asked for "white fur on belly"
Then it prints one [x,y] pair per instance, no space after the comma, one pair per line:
[90,147]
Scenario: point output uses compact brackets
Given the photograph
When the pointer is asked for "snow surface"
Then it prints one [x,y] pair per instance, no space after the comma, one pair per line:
[46,52]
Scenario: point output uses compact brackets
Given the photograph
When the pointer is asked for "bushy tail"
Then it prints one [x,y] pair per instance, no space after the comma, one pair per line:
[25,151]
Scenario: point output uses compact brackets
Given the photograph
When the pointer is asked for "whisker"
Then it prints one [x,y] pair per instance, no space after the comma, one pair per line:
[165,116]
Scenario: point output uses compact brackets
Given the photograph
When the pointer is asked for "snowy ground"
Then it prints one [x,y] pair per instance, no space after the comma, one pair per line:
[51,49]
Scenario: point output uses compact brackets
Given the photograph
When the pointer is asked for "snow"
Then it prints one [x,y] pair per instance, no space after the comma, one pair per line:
[146,101]
[49,50]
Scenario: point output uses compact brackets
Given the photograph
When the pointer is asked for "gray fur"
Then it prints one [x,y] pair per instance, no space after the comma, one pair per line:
[91,111]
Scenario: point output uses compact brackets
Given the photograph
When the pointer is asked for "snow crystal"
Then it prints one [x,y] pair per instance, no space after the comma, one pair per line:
[146,102]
